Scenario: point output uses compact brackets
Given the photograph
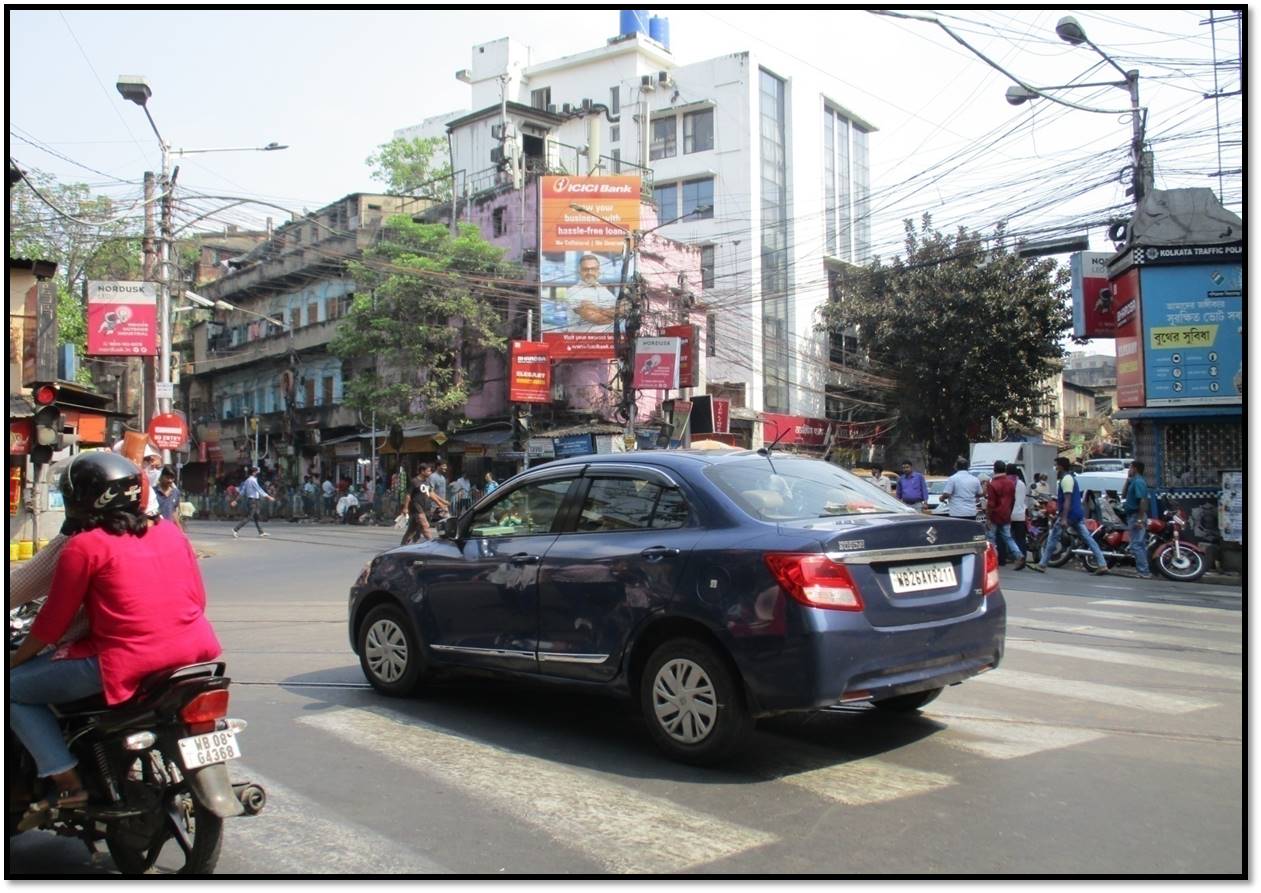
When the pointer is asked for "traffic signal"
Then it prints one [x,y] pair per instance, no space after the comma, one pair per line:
[49,427]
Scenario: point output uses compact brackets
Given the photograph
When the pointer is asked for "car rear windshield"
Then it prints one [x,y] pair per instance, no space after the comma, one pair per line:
[793,489]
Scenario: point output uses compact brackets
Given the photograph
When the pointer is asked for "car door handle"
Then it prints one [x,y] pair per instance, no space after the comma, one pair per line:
[656,553]
[523,558]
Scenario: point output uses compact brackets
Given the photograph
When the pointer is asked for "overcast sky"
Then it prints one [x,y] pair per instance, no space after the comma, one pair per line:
[334,84]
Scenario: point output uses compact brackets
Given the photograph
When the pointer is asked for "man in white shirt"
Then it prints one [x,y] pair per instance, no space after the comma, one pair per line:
[961,492]
[878,478]
[328,490]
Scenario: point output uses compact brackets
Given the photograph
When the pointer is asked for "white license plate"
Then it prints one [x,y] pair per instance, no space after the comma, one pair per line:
[917,577]
[204,750]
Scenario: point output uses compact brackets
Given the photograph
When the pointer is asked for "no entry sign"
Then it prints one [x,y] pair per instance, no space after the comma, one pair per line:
[168,431]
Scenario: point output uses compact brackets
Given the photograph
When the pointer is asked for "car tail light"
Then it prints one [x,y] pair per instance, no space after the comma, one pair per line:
[991,569]
[815,580]
[206,707]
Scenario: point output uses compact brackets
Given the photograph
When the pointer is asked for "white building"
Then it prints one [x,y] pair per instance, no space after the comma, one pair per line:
[769,167]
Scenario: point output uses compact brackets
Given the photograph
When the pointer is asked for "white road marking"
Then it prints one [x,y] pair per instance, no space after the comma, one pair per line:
[1141,618]
[1161,606]
[294,838]
[1128,635]
[1003,737]
[862,781]
[1126,658]
[1093,691]
[618,827]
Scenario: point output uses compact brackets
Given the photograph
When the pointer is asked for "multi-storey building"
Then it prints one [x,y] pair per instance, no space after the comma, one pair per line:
[761,168]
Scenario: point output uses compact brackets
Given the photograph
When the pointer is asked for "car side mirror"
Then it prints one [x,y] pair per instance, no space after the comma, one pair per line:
[447,528]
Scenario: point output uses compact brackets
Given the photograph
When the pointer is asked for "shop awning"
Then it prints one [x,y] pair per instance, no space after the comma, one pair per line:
[485,438]
[410,445]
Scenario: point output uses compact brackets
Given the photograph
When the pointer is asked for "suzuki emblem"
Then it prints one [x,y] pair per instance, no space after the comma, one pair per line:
[931,535]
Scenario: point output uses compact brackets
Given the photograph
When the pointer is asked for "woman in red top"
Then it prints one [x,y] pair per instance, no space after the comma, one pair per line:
[138,581]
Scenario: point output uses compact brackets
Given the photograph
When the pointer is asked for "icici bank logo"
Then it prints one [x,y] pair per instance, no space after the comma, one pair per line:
[563,185]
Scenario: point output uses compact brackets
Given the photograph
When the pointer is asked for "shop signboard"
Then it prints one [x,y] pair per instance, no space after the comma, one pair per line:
[122,318]
[681,417]
[1093,313]
[583,228]
[656,364]
[793,430]
[722,415]
[1192,323]
[531,376]
[573,445]
[540,448]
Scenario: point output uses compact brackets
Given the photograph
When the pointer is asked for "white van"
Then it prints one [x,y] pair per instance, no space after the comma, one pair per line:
[1031,457]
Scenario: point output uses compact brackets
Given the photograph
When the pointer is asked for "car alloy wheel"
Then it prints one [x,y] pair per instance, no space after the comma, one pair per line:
[684,701]
[390,652]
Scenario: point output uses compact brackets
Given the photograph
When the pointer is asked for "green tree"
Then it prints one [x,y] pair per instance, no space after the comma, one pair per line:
[969,329]
[87,235]
[425,305]
[413,167]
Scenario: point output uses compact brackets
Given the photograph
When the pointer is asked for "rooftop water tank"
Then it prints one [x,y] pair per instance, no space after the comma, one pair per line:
[632,21]
[659,30]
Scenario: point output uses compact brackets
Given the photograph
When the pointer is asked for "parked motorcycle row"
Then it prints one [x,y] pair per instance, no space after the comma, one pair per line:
[1167,552]
[155,769]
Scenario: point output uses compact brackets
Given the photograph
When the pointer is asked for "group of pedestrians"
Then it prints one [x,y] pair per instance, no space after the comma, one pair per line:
[430,499]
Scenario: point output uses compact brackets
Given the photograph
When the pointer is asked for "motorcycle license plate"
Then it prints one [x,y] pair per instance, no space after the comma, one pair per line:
[918,577]
[205,750]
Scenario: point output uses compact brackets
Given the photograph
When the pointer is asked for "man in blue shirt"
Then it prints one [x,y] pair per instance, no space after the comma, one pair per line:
[1137,505]
[911,487]
[1068,496]
[252,491]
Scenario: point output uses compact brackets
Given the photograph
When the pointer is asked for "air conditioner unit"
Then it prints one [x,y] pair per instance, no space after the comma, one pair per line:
[646,83]
[663,78]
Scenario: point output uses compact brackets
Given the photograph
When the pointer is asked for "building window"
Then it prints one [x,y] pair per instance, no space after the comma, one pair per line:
[862,197]
[774,241]
[334,308]
[497,221]
[707,266]
[666,197]
[328,390]
[308,391]
[711,334]
[295,317]
[312,313]
[664,138]
[698,131]
[698,198]
[616,155]
[615,101]
[541,99]
[615,133]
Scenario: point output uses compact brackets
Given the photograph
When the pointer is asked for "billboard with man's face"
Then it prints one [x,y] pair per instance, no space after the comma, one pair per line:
[583,229]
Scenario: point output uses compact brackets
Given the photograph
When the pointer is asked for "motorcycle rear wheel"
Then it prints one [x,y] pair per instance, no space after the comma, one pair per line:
[177,835]
[1063,551]
[1186,568]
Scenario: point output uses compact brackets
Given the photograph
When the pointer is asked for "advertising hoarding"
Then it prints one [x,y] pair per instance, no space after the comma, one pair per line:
[1193,334]
[689,338]
[573,445]
[122,318]
[1129,339]
[798,430]
[656,363]
[584,223]
[1093,310]
[530,378]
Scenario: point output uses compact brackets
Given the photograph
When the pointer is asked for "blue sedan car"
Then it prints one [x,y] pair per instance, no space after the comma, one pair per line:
[714,587]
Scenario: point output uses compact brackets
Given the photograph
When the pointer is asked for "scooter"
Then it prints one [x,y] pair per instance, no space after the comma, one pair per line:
[155,769]
[1166,551]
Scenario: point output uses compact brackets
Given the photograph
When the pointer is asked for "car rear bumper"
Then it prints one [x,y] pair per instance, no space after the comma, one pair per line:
[839,656]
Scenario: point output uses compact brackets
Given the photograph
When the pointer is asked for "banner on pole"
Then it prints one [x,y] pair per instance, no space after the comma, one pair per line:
[656,363]
[531,376]
[122,318]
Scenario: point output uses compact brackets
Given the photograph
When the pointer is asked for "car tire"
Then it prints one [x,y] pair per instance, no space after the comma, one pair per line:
[693,703]
[910,703]
[390,652]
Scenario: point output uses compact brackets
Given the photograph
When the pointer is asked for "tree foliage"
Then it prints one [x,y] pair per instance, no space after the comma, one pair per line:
[970,329]
[420,313]
[413,167]
[88,237]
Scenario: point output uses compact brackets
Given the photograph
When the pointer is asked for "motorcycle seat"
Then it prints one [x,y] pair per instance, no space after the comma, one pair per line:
[150,686]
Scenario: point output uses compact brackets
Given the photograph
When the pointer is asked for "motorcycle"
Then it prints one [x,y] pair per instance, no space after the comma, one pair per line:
[1167,553]
[1038,523]
[155,769]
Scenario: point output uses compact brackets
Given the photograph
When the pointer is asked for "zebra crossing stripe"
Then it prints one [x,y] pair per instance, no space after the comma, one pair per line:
[1179,622]
[1101,632]
[619,828]
[1092,691]
[291,836]
[858,782]
[1003,737]
[1161,606]
[1126,658]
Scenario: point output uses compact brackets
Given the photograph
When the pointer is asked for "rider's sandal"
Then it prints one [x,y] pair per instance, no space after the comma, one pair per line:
[76,798]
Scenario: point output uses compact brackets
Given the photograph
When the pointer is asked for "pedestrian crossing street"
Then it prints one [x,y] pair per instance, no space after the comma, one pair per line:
[625,823]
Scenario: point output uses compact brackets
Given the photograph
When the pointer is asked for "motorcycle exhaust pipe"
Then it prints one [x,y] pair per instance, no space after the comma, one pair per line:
[253,798]
[1105,554]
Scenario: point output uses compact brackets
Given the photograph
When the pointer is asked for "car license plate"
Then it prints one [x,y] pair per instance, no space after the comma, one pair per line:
[917,577]
[204,750]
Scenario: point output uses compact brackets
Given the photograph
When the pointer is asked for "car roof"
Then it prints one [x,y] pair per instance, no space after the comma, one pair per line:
[664,458]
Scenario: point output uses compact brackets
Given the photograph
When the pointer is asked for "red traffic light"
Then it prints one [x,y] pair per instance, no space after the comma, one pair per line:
[45,394]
